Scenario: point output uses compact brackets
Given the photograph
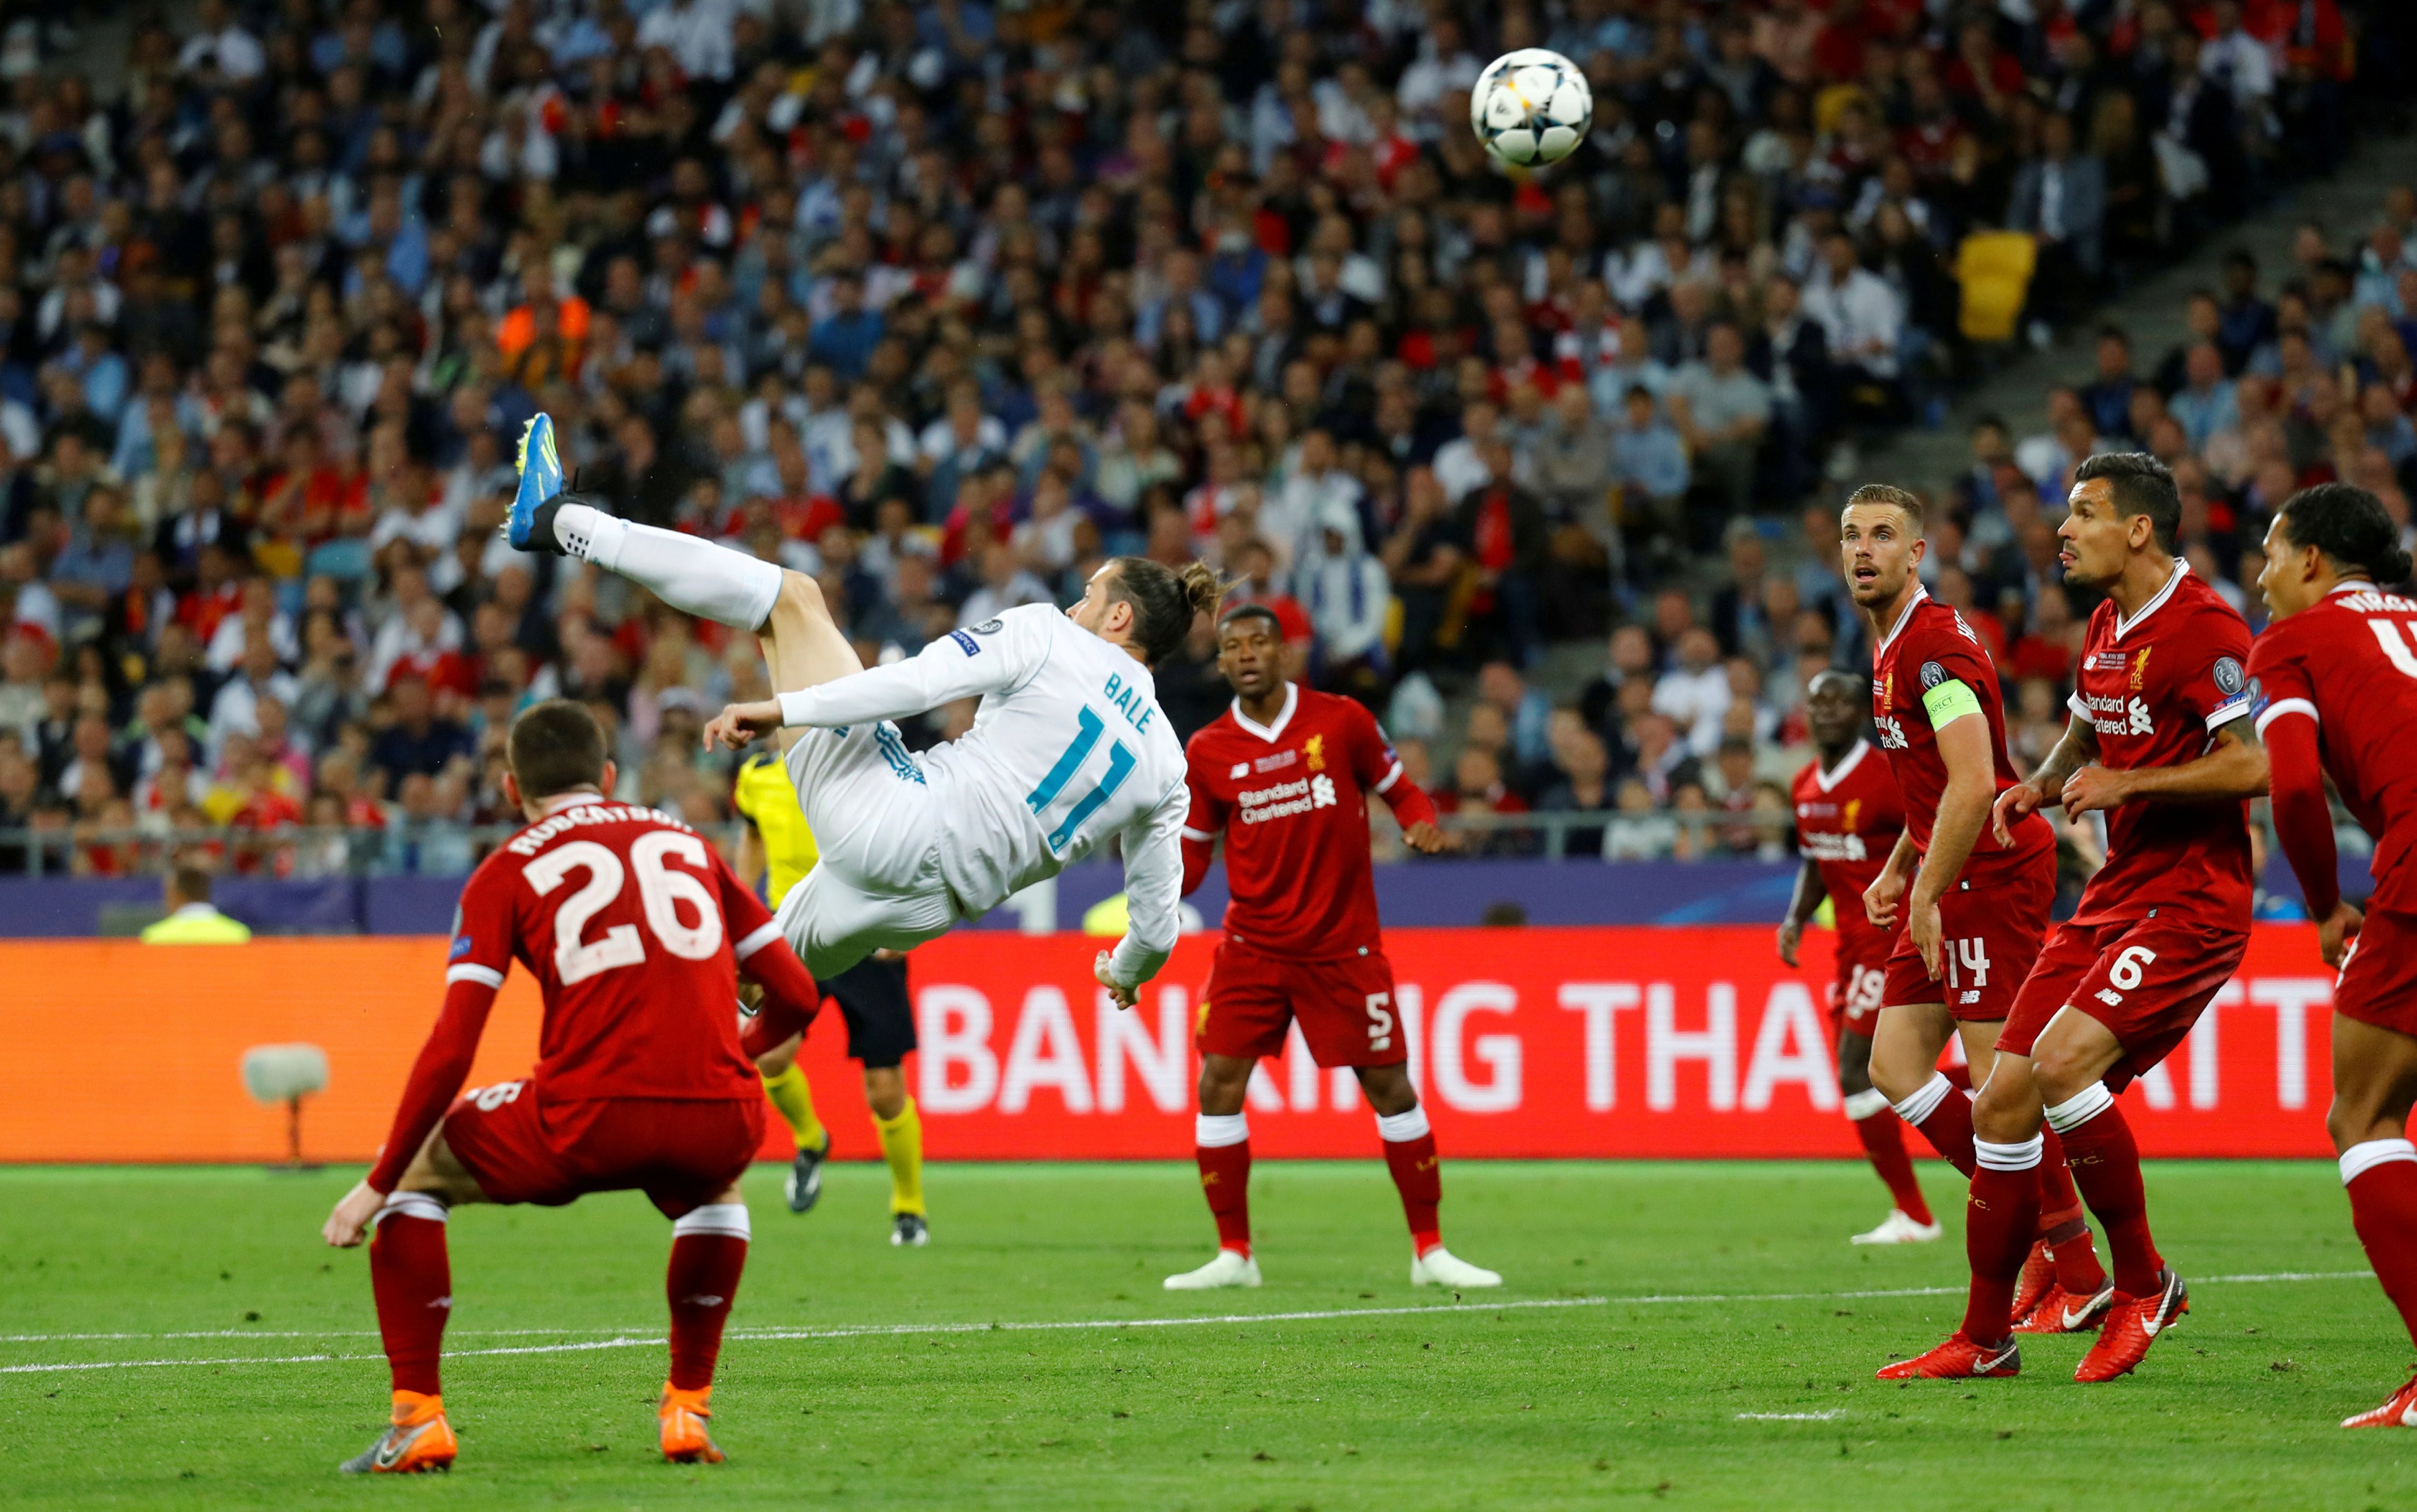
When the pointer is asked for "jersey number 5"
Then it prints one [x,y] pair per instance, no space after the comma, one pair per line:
[1089,728]
[660,891]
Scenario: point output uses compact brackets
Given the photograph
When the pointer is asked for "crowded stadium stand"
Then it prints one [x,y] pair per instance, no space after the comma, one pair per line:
[945,303]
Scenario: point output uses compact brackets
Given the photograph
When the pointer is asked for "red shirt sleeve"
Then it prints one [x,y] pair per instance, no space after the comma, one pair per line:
[1379,771]
[1201,826]
[2214,684]
[436,1077]
[2303,821]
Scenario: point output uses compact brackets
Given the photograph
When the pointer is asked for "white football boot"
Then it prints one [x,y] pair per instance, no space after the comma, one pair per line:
[1898,1229]
[1230,1268]
[1442,1267]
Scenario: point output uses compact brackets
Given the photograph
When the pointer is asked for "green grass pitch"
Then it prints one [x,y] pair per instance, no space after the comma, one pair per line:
[1682,1335]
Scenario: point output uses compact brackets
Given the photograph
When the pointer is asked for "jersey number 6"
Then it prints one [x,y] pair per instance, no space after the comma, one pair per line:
[661,890]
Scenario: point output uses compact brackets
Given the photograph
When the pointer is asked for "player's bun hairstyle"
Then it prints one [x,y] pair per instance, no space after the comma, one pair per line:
[1889,494]
[1163,602]
[557,747]
[2350,525]
[2143,486]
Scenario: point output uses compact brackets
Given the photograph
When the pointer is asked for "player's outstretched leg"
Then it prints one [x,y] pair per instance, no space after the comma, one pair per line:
[2374,1081]
[708,1252]
[1418,1175]
[1221,1145]
[412,1278]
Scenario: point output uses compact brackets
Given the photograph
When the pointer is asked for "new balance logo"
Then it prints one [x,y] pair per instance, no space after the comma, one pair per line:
[2109,996]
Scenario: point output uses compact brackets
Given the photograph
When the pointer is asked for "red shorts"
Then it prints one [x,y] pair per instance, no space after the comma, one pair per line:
[523,1149]
[1989,934]
[2146,979]
[1344,1007]
[1855,996]
[2378,981]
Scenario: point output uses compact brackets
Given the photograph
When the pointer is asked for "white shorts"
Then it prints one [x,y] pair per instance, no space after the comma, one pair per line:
[878,883]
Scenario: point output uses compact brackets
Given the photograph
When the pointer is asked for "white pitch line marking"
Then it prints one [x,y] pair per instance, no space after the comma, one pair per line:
[1790,1418]
[627,1339]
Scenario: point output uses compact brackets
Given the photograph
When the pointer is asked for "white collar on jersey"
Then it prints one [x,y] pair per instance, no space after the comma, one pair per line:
[1269,733]
[2123,625]
[2353,585]
[1920,596]
[1837,773]
[569,800]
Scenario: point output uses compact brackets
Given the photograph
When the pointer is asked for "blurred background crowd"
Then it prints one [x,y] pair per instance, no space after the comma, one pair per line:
[944,302]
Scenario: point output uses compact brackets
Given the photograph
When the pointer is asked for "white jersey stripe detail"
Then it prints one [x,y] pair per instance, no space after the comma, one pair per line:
[758,941]
[2281,707]
[470,971]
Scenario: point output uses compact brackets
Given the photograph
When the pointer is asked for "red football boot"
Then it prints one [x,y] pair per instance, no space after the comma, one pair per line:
[2038,1280]
[1958,1359]
[2133,1324]
[2058,1312]
[2400,1412]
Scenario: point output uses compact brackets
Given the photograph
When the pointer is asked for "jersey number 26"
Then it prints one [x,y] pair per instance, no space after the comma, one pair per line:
[661,889]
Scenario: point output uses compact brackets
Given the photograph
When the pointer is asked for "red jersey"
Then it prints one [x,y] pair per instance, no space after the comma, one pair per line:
[2156,687]
[635,956]
[1291,798]
[2350,663]
[1930,647]
[1847,820]
[635,930]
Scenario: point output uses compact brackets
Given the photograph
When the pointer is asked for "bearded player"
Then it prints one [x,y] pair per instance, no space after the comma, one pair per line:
[635,931]
[1974,907]
[1285,774]
[2160,742]
[2335,680]
[1847,820]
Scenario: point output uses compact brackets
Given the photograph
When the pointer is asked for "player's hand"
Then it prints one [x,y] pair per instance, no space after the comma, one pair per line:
[1791,932]
[2014,804]
[1880,899]
[1123,996]
[2093,788]
[2339,928]
[740,725]
[1925,926]
[1427,840]
[350,1220]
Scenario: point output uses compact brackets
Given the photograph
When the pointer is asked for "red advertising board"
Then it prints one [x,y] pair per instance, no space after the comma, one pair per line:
[1644,1041]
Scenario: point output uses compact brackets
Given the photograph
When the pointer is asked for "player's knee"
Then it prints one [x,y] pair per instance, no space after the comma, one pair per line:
[802,598]
[2059,1076]
[1387,1089]
[1897,1073]
[2007,1110]
[2355,1120]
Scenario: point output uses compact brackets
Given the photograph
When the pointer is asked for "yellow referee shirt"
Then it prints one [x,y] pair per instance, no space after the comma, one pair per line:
[768,800]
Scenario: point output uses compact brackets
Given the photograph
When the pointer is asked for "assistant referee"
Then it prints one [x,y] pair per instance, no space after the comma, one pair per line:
[776,851]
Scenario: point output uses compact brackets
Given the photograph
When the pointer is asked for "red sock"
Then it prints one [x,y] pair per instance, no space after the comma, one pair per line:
[1418,1175]
[2106,1163]
[1958,1077]
[412,1279]
[1999,1218]
[1948,1127]
[2061,1225]
[2383,1206]
[1883,1137]
[1225,1181]
[709,1251]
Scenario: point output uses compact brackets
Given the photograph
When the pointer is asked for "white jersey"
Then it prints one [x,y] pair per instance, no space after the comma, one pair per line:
[1068,749]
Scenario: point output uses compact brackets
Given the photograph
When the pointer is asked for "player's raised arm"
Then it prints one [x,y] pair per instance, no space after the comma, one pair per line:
[1154,873]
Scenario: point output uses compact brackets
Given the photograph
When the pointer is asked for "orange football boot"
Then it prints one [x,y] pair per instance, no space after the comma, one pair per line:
[416,1439]
[680,1418]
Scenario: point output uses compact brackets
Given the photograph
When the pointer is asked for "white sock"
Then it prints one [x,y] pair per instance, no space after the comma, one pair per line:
[1863,1104]
[2023,1156]
[2359,1159]
[1399,1128]
[1924,1100]
[1214,1131]
[729,1218]
[413,1205]
[2080,1107]
[693,576]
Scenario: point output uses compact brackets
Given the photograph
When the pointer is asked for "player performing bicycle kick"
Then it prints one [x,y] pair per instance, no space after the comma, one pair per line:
[1068,748]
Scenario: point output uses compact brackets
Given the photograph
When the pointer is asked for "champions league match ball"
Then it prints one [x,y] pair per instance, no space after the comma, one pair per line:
[1531,107]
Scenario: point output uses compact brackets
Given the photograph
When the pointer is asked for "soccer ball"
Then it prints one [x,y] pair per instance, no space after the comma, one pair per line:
[1531,107]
